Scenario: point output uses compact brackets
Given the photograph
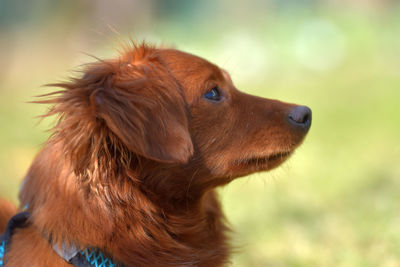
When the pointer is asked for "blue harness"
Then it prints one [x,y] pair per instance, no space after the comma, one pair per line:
[89,257]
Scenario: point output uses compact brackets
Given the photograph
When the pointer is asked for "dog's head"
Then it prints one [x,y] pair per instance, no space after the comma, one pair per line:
[165,112]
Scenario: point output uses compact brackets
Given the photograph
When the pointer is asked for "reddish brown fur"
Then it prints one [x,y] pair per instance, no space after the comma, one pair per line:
[135,156]
[7,210]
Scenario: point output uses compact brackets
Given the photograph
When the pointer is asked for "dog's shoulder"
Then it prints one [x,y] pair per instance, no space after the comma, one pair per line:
[30,248]
[7,210]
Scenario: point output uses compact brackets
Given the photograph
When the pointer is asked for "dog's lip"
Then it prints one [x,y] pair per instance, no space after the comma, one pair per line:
[265,159]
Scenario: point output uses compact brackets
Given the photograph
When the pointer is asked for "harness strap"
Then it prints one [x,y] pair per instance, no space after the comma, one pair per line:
[2,252]
[89,257]
[18,221]
[93,257]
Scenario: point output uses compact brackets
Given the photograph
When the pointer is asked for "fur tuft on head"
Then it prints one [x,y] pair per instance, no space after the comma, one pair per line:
[120,110]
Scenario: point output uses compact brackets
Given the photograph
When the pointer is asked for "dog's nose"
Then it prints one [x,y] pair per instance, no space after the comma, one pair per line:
[300,116]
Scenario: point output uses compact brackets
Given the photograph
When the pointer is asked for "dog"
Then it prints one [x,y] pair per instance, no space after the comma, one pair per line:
[138,147]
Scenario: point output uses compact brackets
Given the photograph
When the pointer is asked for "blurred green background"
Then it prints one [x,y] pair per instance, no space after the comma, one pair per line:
[336,202]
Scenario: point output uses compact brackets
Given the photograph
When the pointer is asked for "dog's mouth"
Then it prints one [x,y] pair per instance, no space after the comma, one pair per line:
[281,156]
[262,163]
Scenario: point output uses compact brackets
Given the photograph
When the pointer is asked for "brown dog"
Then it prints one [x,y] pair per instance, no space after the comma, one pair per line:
[140,144]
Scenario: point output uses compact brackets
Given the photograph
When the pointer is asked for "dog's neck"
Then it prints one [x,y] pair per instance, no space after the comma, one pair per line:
[123,220]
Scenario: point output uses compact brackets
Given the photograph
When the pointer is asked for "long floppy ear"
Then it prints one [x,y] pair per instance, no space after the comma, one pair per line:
[143,106]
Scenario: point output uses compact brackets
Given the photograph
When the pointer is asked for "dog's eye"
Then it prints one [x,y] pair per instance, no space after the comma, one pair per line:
[213,94]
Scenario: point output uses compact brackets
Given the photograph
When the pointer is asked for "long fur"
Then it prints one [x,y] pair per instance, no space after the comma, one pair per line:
[132,162]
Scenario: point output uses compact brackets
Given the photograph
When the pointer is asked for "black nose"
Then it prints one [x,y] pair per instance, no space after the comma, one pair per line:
[300,116]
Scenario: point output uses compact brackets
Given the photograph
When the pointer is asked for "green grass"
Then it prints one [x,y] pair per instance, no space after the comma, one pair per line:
[335,203]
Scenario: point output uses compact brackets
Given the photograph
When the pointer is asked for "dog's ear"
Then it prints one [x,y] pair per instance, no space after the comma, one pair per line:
[143,106]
